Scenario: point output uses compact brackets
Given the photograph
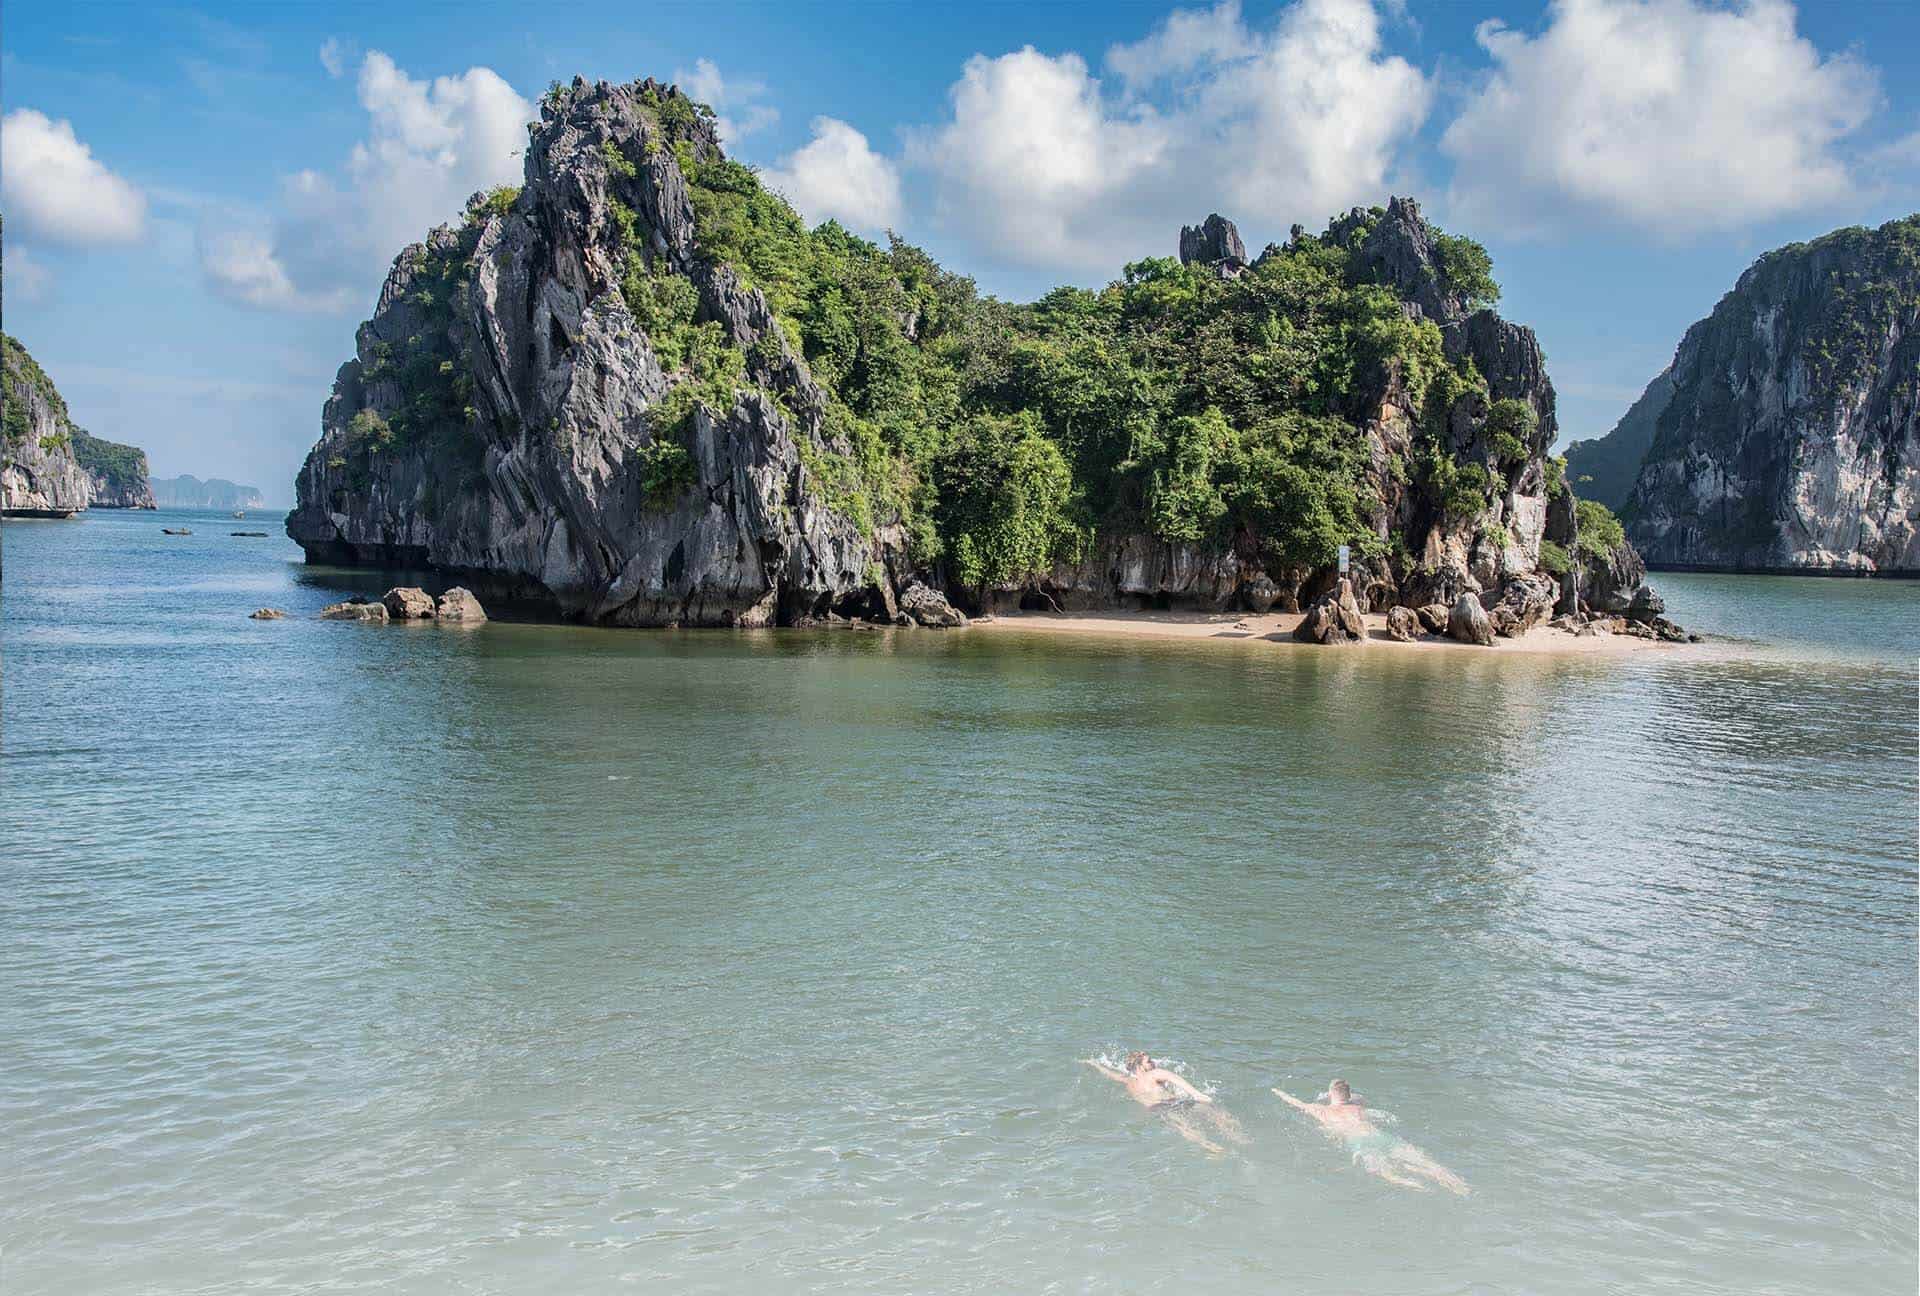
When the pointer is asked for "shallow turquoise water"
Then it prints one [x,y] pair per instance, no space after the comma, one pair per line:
[535,958]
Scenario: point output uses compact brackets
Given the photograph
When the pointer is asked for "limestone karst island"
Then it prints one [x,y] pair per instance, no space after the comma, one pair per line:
[1222,647]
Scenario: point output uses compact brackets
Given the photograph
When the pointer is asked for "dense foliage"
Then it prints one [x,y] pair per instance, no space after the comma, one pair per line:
[1198,408]
[20,372]
[124,466]
[1598,531]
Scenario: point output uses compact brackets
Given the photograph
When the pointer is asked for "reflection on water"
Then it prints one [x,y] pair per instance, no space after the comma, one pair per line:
[540,958]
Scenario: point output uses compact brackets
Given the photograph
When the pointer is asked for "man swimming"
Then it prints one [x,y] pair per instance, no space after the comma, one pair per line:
[1377,1151]
[1160,1090]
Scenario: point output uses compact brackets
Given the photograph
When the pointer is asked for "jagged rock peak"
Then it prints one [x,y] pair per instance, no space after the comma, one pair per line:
[1401,252]
[571,398]
[1213,240]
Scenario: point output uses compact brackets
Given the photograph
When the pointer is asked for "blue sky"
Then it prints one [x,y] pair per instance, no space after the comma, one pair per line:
[201,202]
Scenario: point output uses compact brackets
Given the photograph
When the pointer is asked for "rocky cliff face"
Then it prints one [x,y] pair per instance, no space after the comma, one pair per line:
[1604,468]
[1791,440]
[116,474]
[39,476]
[508,417]
[576,397]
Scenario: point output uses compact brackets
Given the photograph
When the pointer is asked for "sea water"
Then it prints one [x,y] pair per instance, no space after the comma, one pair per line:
[535,958]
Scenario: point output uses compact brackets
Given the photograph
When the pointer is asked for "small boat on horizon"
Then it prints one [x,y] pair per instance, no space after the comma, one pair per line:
[176,531]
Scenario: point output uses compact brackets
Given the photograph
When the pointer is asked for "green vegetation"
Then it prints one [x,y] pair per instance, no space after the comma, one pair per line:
[1554,559]
[1510,428]
[1599,532]
[1202,410]
[495,202]
[1466,269]
[123,466]
[19,374]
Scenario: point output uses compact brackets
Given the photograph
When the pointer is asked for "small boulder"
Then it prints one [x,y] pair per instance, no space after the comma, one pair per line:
[1668,631]
[1334,618]
[1403,624]
[408,603]
[1524,603]
[355,610]
[1645,605]
[459,604]
[1468,622]
[1434,617]
[929,607]
[1261,593]
[266,614]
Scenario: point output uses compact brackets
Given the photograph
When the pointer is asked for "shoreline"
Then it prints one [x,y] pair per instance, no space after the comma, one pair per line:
[1277,627]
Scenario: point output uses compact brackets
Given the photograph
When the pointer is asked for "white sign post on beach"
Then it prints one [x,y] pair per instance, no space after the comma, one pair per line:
[1343,560]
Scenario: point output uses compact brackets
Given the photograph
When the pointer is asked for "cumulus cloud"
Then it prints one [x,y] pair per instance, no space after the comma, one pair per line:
[55,191]
[739,110]
[27,279]
[1043,164]
[331,236]
[838,176]
[333,57]
[241,265]
[1671,115]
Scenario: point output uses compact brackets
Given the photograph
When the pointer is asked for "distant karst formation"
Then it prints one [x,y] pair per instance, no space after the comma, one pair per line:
[187,491]
[49,467]
[1785,435]
[639,390]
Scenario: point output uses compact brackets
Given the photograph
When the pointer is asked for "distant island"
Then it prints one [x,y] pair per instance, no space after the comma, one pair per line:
[641,390]
[187,491]
[1785,435]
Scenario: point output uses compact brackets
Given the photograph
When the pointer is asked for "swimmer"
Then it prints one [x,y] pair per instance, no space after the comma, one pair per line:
[1160,1090]
[1376,1150]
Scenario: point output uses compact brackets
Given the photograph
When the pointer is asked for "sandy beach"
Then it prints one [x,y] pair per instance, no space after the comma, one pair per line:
[1278,627]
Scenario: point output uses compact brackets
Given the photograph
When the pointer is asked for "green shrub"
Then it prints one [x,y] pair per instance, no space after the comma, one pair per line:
[1510,428]
[1554,559]
[1005,492]
[1597,531]
[1465,269]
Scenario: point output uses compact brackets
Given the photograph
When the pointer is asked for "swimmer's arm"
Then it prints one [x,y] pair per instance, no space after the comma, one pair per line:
[1178,1082]
[1291,1101]
[1105,1070]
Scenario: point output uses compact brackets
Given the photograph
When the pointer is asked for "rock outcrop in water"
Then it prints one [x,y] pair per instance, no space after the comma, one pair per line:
[50,466]
[116,474]
[39,476]
[638,390]
[1785,436]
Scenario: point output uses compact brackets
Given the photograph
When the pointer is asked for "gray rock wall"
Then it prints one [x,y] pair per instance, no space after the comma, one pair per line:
[1792,438]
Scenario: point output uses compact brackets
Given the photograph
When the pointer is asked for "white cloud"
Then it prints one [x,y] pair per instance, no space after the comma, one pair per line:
[331,237]
[1188,39]
[333,57]
[1901,154]
[737,105]
[241,265]
[838,176]
[1040,165]
[27,279]
[1670,115]
[55,191]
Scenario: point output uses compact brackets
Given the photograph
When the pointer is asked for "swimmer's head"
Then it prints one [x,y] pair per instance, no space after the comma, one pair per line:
[1340,1091]
[1139,1062]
